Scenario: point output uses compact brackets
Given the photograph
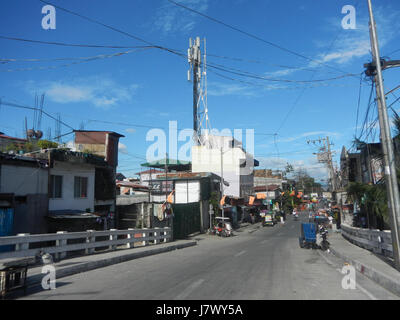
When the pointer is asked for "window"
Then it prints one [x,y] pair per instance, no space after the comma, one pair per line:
[55,186]
[80,187]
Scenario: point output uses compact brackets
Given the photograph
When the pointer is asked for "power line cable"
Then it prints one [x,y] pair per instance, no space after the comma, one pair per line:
[73,44]
[358,105]
[253,36]
[83,60]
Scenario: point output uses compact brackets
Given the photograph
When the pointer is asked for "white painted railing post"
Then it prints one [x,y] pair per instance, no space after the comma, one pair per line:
[24,245]
[90,239]
[61,243]
[144,242]
[156,235]
[113,237]
[129,236]
[165,233]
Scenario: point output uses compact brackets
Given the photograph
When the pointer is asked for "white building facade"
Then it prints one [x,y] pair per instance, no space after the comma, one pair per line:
[225,157]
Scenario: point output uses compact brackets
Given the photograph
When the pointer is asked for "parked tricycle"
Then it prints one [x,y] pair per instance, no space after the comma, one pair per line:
[308,237]
[267,219]
[223,227]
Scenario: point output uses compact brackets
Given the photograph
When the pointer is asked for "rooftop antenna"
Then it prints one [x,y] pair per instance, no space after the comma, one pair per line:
[58,128]
[201,121]
[39,120]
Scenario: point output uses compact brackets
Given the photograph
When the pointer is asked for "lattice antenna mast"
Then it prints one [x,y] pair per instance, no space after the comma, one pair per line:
[200,110]
[204,124]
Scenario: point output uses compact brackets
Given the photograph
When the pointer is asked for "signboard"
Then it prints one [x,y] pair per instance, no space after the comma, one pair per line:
[377,169]
[323,156]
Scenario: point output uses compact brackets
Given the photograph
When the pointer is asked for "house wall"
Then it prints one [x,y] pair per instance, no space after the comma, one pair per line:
[209,160]
[30,187]
[22,180]
[145,177]
[68,201]
[262,181]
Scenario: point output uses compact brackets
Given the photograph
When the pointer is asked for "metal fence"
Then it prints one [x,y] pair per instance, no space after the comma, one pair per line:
[63,244]
[371,239]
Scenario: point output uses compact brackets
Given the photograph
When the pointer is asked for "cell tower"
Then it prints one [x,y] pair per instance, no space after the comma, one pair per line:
[201,122]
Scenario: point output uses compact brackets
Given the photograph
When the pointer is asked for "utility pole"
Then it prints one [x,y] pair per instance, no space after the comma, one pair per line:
[330,165]
[325,156]
[222,181]
[194,58]
[387,143]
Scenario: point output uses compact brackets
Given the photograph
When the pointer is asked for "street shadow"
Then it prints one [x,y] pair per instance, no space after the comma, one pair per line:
[31,290]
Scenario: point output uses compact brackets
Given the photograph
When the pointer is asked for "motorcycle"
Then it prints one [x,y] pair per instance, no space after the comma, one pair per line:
[322,238]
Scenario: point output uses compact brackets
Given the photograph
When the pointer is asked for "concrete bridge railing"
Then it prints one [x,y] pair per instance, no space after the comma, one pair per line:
[371,239]
[62,244]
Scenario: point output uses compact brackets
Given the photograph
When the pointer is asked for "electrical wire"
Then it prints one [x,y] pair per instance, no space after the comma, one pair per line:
[64,44]
[81,60]
[358,105]
[254,36]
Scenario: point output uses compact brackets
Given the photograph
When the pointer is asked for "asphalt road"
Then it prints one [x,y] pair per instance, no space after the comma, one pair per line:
[257,263]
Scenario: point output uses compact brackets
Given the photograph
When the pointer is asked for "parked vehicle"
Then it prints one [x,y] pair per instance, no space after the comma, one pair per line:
[322,239]
[223,227]
[267,220]
[308,237]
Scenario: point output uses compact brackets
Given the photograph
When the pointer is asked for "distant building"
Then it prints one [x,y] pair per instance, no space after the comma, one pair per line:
[7,140]
[237,164]
[266,177]
[148,175]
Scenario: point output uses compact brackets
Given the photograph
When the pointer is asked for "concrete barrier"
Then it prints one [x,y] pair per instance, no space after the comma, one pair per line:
[61,243]
[371,239]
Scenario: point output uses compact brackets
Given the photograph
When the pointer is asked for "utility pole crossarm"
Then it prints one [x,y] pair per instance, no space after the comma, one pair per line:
[371,68]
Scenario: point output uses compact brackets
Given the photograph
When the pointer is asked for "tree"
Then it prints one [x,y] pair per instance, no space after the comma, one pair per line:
[47,144]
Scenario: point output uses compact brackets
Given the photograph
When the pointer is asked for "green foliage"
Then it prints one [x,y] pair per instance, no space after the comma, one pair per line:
[214,200]
[46,144]
[11,147]
[396,122]
[371,197]
[29,147]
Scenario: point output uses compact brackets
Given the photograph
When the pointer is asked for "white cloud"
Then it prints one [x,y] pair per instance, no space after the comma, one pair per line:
[223,89]
[309,134]
[122,148]
[171,18]
[100,92]
[313,168]
[130,130]
[352,44]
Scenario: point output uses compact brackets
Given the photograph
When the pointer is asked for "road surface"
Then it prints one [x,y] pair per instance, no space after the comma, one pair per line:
[257,263]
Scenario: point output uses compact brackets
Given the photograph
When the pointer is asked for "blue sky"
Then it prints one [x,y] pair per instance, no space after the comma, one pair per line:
[149,86]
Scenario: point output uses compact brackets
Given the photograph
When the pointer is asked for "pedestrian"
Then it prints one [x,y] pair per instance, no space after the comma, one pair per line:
[330,221]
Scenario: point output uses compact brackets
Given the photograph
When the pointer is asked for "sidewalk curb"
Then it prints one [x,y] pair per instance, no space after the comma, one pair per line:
[104,262]
[373,274]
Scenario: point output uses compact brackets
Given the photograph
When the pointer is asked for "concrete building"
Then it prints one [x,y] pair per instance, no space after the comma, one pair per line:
[148,175]
[24,190]
[266,177]
[350,168]
[237,165]
[190,198]
[6,140]
[104,144]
